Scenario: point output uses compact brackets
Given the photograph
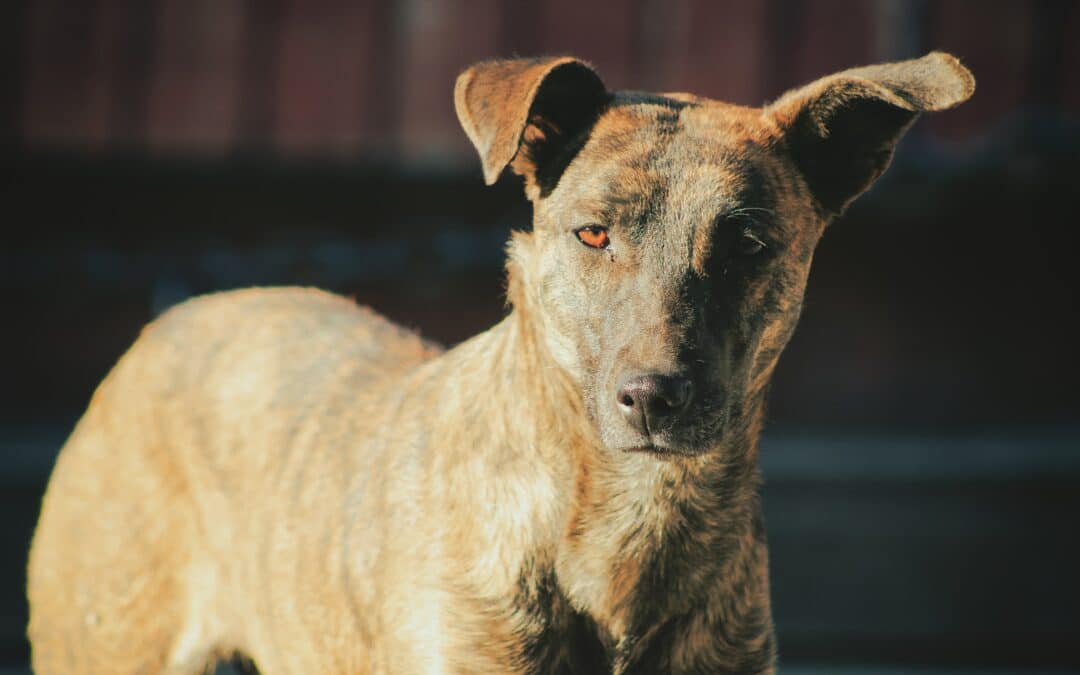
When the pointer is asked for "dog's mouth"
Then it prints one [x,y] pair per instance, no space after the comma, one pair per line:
[663,451]
[662,446]
[691,441]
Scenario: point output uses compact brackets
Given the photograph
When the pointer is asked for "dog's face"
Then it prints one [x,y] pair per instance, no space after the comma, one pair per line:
[669,264]
[673,235]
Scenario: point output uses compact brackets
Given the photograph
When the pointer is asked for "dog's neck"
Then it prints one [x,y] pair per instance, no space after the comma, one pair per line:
[666,555]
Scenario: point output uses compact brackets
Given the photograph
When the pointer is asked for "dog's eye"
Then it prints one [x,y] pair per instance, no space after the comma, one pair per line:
[593,236]
[748,245]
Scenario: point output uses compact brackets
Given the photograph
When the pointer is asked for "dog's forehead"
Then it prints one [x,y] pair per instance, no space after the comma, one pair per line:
[688,157]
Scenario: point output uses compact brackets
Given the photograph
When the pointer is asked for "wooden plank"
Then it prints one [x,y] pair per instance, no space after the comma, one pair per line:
[1070,81]
[719,54]
[129,69]
[606,34]
[834,35]
[61,106]
[328,77]
[993,38]
[439,39]
[193,93]
[12,75]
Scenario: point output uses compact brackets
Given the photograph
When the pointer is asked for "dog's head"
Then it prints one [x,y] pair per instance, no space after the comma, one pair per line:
[672,234]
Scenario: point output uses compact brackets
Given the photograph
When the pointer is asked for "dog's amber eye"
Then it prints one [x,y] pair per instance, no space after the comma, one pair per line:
[749,245]
[594,236]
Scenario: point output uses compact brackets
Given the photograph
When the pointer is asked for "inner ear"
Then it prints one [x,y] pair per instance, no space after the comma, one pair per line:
[569,102]
[842,146]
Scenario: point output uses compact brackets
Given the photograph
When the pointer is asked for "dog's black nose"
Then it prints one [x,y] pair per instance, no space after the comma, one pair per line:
[650,403]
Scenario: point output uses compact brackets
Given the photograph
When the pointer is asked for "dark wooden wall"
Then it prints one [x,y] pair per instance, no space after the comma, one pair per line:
[341,78]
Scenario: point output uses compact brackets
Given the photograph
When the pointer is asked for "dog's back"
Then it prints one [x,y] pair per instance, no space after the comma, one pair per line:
[223,402]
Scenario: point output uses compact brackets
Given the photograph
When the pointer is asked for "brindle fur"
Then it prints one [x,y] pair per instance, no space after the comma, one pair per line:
[280,474]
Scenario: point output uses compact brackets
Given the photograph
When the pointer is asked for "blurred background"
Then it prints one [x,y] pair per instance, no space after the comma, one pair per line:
[922,462]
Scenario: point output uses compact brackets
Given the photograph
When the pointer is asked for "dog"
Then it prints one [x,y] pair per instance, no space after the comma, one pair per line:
[282,475]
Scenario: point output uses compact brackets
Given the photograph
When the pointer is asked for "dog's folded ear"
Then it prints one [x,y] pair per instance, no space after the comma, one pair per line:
[841,130]
[531,113]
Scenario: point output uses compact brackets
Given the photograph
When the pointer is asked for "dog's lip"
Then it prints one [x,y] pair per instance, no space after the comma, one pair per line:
[660,450]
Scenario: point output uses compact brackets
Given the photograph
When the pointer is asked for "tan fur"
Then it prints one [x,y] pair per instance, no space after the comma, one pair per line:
[281,474]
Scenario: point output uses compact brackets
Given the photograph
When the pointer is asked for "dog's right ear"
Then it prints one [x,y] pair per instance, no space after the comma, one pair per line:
[533,114]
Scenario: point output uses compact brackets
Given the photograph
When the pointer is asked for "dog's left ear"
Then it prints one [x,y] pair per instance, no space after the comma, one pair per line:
[841,130]
[529,113]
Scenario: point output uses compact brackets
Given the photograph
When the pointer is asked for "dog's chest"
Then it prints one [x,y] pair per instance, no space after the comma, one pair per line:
[556,637]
